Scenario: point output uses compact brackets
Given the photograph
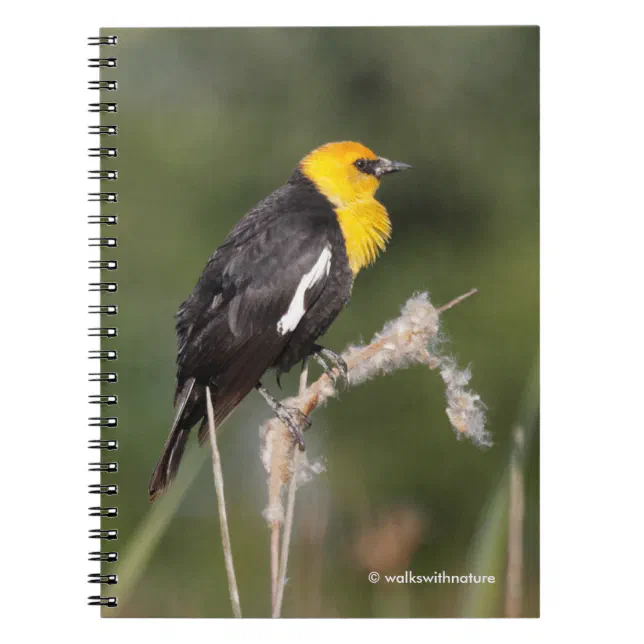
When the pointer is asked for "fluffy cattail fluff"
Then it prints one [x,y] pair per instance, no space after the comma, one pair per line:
[413,338]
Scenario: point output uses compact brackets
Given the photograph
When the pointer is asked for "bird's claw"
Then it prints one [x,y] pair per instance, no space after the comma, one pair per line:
[332,362]
[294,419]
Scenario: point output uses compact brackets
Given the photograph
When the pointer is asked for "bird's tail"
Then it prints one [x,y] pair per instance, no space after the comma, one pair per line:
[241,376]
[175,445]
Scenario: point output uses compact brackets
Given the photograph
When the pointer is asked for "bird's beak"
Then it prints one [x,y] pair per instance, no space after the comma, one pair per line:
[385,166]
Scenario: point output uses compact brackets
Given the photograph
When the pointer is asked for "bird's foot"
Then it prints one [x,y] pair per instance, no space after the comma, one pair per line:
[292,417]
[333,364]
[294,420]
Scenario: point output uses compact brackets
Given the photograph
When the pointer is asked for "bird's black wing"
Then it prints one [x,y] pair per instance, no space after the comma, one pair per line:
[251,296]
[272,268]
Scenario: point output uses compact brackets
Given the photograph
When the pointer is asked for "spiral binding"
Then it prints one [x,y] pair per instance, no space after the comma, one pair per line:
[106,199]
[103,152]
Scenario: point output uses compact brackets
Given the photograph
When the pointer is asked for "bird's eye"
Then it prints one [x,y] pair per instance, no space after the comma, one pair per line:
[361,164]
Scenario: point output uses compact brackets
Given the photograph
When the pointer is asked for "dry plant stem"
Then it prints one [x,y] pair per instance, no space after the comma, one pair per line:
[457,300]
[286,537]
[280,460]
[275,561]
[290,512]
[513,595]
[221,501]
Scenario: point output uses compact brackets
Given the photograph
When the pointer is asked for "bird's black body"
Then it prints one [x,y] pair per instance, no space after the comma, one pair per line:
[242,316]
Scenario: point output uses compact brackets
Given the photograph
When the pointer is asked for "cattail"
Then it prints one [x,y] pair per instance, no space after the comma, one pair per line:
[412,338]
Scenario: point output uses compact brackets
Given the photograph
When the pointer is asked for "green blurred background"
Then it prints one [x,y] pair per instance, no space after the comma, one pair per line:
[212,120]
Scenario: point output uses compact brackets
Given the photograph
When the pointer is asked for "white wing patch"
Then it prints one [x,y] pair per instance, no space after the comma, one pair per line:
[296,310]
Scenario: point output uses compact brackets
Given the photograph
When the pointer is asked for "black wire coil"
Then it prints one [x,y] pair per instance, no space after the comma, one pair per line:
[106,199]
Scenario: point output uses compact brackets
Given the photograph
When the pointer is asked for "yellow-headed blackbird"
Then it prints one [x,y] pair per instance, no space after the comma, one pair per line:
[273,287]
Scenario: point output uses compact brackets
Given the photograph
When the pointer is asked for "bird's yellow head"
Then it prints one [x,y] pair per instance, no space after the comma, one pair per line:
[348,174]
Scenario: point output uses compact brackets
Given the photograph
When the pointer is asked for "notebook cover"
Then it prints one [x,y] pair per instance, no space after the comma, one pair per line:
[393,515]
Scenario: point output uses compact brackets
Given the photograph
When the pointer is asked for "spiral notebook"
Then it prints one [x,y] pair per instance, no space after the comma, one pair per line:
[314,322]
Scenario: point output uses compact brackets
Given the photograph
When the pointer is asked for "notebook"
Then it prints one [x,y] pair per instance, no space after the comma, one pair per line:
[314,360]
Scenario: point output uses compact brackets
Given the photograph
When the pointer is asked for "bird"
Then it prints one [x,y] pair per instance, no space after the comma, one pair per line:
[272,288]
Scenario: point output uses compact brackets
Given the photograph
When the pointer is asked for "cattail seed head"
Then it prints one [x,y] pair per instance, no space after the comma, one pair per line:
[412,338]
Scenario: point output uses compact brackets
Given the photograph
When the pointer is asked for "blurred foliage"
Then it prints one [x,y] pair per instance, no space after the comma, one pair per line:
[212,120]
